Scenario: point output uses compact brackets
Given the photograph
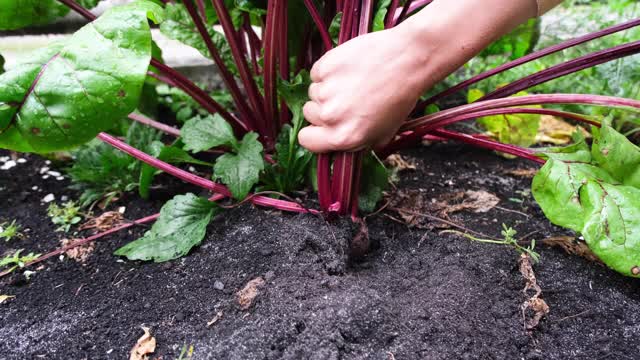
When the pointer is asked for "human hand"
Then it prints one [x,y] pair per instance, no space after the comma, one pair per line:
[362,92]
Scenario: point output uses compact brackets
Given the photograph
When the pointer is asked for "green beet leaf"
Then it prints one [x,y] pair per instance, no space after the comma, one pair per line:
[334,28]
[556,188]
[612,225]
[518,43]
[203,133]
[16,14]
[381,12]
[577,152]
[374,180]
[179,26]
[64,95]
[171,154]
[240,170]
[181,226]
[616,154]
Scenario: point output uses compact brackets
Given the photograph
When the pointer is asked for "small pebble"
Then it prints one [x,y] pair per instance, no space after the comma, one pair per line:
[218,285]
[8,165]
[270,275]
[48,162]
[54,173]
[122,209]
[49,198]
[60,178]
[4,158]
[34,188]
[64,198]
[21,161]
[44,170]
[45,177]
[192,169]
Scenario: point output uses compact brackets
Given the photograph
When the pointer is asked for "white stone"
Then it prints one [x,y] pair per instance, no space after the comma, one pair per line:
[54,173]
[49,198]
[8,165]
[21,161]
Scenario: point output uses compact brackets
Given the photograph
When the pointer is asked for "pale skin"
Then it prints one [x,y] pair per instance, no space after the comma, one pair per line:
[363,90]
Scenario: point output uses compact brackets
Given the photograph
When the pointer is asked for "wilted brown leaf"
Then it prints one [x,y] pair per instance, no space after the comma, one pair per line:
[215,319]
[477,201]
[249,293]
[144,346]
[407,203]
[103,222]
[4,298]
[535,303]
[78,253]
[556,131]
[397,162]
[572,246]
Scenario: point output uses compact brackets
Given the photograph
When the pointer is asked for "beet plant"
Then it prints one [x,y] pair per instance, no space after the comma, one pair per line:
[71,92]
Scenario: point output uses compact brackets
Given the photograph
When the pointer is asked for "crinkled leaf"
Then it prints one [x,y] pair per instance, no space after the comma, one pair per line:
[170,154]
[612,225]
[613,152]
[241,171]
[381,13]
[178,25]
[556,187]
[63,95]
[204,133]
[181,226]
[374,180]
[517,129]
[16,14]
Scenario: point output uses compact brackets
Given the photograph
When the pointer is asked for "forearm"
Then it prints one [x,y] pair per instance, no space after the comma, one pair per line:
[448,33]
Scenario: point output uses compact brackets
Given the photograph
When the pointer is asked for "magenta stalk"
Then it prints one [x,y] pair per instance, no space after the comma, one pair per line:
[155,124]
[322,29]
[528,58]
[194,179]
[541,99]
[489,144]
[566,68]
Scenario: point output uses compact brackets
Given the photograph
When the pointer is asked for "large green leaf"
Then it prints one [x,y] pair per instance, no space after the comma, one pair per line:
[241,171]
[181,226]
[63,95]
[577,152]
[612,225]
[16,14]
[204,133]
[616,154]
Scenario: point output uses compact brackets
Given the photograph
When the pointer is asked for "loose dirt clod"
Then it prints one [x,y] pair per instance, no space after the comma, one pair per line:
[572,246]
[249,293]
[78,253]
[535,304]
[103,222]
[144,346]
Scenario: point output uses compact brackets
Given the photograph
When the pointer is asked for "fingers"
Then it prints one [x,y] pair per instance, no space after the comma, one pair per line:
[314,138]
[311,112]
[315,93]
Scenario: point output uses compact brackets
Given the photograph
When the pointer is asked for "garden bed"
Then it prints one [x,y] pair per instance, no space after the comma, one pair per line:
[420,294]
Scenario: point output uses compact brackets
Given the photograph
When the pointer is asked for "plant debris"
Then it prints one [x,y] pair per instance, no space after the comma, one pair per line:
[104,222]
[524,173]
[78,253]
[215,319]
[5,298]
[537,306]
[247,295]
[144,346]
[399,163]
[556,131]
[572,246]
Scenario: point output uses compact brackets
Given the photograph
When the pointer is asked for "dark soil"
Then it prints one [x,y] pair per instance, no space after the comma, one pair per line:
[419,295]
